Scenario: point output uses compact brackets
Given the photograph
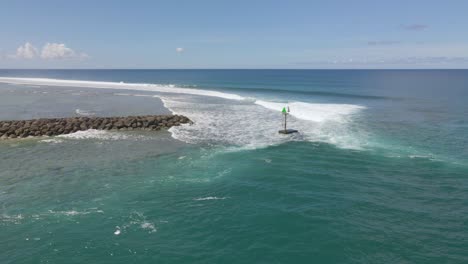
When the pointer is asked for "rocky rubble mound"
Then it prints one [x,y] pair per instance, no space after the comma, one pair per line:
[60,126]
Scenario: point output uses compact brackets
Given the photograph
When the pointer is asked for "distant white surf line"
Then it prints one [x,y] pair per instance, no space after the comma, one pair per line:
[301,110]
[119,85]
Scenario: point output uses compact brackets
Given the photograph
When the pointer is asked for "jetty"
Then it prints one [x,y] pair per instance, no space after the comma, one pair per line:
[60,126]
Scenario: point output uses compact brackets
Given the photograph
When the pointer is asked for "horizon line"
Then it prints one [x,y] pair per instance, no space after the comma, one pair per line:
[221,69]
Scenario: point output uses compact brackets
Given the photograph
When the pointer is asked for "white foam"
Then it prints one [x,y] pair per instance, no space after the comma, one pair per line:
[429,157]
[75,213]
[148,226]
[209,198]
[313,112]
[52,141]
[256,124]
[119,86]
[15,219]
[139,219]
[240,121]
[95,134]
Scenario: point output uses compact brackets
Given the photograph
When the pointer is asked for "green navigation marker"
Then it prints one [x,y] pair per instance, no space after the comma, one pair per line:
[286,130]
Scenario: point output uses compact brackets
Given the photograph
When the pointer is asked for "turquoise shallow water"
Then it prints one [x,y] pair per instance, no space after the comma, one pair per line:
[386,183]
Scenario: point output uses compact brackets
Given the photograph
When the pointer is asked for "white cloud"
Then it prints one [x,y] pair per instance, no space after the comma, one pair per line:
[26,51]
[60,51]
[50,51]
[179,50]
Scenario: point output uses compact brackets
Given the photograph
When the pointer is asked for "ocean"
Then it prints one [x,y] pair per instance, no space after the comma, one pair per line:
[378,172]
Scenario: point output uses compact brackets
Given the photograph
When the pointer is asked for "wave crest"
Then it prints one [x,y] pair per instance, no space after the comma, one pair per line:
[235,120]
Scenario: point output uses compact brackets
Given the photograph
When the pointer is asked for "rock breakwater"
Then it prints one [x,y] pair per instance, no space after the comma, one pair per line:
[61,126]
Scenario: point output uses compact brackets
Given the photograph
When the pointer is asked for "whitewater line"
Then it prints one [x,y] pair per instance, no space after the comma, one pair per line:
[301,110]
[119,86]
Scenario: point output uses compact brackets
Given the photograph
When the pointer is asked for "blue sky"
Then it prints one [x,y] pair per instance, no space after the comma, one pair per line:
[234,34]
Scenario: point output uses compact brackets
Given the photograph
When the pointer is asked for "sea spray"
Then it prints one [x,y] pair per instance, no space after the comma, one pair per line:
[233,119]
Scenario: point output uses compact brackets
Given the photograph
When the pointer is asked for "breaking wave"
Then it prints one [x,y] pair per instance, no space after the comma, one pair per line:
[119,86]
[222,118]
[314,112]
[98,135]
[256,125]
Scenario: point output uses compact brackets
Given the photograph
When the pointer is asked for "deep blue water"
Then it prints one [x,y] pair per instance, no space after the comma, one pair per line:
[377,174]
